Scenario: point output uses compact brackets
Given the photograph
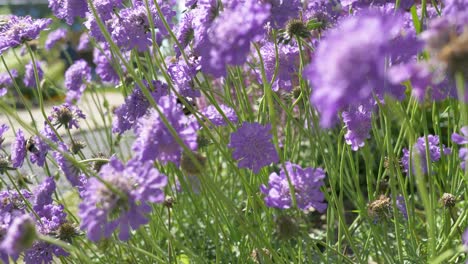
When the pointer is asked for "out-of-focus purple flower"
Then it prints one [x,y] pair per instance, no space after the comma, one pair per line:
[136,105]
[306,184]
[71,172]
[465,239]
[462,140]
[54,37]
[253,147]
[401,205]
[84,43]
[456,11]
[154,140]
[75,80]
[419,153]
[68,9]
[3,129]
[282,11]
[349,65]
[215,117]
[182,74]
[6,81]
[185,32]
[39,150]
[18,150]
[20,236]
[17,30]
[104,68]
[358,123]
[229,37]
[105,8]
[125,206]
[66,115]
[43,193]
[29,77]
[323,11]
[288,63]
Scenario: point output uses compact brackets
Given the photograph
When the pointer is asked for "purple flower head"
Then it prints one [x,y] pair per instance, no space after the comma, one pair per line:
[84,43]
[228,39]
[66,115]
[54,37]
[125,206]
[38,148]
[105,66]
[154,140]
[105,8]
[465,238]
[43,194]
[358,123]
[306,183]
[253,147]
[17,30]
[419,151]
[456,11]
[349,65]
[75,80]
[182,74]
[18,150]
[42,252]
[71,172]
[20,236]
[185,32]
[6,81]
[3,129]
[401,205]
[462,140]
[29,77]
[68,9]
[288,59]
[324,11]
[282,11]
[215,117]
[136,105]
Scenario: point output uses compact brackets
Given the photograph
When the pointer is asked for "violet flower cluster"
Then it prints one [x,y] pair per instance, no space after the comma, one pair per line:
[417,155]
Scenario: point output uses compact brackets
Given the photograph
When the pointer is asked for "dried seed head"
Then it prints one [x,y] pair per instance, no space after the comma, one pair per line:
[98,164]
[455,54]
[448,200]
[169,201]
[297,28]
[380,208]
[259,255]
[77,146]
[67,231]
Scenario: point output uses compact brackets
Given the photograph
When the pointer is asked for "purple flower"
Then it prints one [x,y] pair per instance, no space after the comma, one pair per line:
[215,117]
[54,37]
[18,150]
[71,172]
[358,123]
[136,105]
[253,147]
[288,63]
[306,184]
[84,43]
[75,80]
[401,205]
[349,65]
[462,140]
[455,11]
[29,77]
[68,9]
[465,238]
[6,81]
[182,74]
[20,29]
[39,150]
[229,37]
[20,236]
[282,11]
[125,206]
[43,194]
[154,140]
[105,8]
[3,129]
[105,66]
[185,32]
[42,252]
[66,115]
[419,151]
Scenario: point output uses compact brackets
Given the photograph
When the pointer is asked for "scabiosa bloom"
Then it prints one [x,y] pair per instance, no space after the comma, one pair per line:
[6,81]
[105,8]
[462,140]
[29,77]
[105,66]
[465,239]
[18,149]
[43,193]
[350,63]
[358,123]
[3,129]
[154,140]
[54,37]
[419,149]
[20,236]
[253,147]
[306,183]
[38,149]
[84,43]
[17,30]
[229,37]
[282,11]
[288,61]
[136,105]
[215,117]
[182,74]
[71,172]
[68,9]
[66,115]
[125,206]
[75,80]
[185,32]
[401,205]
